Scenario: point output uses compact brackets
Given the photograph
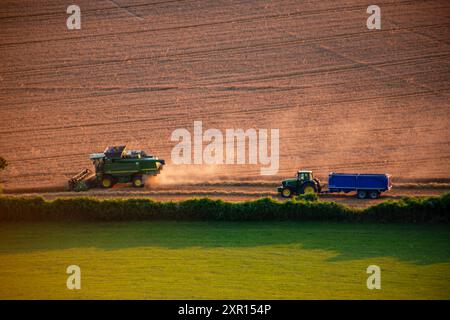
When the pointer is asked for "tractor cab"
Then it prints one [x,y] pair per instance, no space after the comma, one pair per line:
[304,175]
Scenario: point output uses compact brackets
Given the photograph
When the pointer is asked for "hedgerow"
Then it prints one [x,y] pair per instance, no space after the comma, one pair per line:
[430,209]
[308,197]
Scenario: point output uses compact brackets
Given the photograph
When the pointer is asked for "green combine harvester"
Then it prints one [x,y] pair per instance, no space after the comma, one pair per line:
[117,165]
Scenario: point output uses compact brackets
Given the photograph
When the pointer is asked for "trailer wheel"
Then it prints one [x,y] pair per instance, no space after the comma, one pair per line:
[361,194]
[374,194]
[138,182]
[286,193]
[107,182]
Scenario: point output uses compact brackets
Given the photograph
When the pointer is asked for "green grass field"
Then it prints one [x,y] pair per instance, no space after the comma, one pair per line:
[224,260]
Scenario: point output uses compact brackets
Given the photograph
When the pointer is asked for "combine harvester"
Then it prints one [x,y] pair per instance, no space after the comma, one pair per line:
[365,185]
[117,165]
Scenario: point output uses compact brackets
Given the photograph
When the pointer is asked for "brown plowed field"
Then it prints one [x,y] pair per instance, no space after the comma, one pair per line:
[344,98]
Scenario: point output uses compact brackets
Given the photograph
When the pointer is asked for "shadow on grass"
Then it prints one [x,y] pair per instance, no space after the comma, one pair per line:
[420,244]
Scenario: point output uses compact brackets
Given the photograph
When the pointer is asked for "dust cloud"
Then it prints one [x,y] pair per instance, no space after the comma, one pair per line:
[182,175]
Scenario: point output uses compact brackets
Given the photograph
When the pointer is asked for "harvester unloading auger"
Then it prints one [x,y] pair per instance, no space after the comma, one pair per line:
[117,165]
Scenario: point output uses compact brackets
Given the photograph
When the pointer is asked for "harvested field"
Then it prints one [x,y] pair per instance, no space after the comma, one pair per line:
[344,98]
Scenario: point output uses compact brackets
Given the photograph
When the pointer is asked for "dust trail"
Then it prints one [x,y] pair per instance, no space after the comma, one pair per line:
[205,175]
[208,176]
[182,175]
[227,183]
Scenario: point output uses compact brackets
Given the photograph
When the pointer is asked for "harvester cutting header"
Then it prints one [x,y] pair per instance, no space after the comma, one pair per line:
[117,165]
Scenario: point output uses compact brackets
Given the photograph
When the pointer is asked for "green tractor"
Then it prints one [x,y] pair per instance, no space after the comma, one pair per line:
[117,165]
[304,183]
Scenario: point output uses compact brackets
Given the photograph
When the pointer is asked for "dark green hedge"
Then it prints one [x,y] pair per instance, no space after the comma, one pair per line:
[431,209]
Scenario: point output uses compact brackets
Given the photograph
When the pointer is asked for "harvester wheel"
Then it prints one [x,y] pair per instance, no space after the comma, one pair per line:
[138,182]
[286,193]
[107,182]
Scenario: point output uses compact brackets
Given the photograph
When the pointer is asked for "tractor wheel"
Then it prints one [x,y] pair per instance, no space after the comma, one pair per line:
[107,182]
[374,194]
[361,194]
[308,187]
[286,193]
[138,182]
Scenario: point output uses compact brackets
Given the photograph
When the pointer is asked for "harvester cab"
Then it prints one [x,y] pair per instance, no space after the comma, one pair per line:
[117,165]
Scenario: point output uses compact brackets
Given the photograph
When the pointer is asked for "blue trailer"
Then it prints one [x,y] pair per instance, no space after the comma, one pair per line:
[365,185]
